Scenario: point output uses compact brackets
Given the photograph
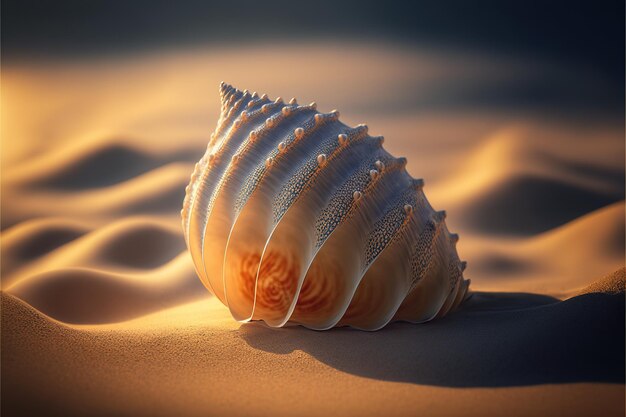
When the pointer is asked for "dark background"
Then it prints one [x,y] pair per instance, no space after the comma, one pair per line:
[586,34]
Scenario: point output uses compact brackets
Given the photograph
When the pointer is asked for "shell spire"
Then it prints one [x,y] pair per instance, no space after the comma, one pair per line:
[292,216]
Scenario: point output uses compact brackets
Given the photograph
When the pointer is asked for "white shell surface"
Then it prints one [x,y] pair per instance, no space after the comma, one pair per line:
[293,217]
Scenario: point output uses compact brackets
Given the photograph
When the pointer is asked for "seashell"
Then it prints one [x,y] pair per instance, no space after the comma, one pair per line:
[294,217]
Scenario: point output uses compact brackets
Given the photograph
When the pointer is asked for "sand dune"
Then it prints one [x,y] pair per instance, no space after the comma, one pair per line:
[86,295]
[122,270]
[611,284]
[559,262]
[103,314]
[129,244]
[32,239]
[527,205]
[158,191]
[99,164]
[515,184]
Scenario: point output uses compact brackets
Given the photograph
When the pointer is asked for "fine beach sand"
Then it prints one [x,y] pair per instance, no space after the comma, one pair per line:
[102,312]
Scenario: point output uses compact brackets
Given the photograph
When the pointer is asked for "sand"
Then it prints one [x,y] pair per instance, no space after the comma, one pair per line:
[516,354]
[102,312]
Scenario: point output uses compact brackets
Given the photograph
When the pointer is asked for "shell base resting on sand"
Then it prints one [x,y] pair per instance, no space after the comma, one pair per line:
[293,217]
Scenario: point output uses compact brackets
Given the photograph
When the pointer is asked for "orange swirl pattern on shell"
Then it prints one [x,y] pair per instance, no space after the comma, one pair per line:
[247,275]
[319,292]
[276,284]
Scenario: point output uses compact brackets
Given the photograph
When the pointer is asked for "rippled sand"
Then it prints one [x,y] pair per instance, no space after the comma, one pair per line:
[102,311]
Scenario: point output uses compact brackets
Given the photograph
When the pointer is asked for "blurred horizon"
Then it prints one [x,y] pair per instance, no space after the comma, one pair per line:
[572,32]
[569,55]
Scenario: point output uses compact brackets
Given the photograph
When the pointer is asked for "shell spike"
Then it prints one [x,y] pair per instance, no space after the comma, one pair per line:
[227,93]
[325,117]
[359,132]
[253,134]
[418,183]
[224,88]
[438,217]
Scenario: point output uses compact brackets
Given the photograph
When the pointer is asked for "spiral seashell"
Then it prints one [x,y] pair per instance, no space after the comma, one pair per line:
[293,217]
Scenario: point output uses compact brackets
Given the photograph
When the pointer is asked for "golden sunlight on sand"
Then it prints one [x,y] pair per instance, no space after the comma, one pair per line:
[102,308]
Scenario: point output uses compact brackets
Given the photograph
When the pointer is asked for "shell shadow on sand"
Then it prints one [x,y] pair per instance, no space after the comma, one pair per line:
[496,339]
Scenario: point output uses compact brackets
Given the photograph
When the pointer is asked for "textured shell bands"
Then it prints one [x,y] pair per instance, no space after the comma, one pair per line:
[293,217]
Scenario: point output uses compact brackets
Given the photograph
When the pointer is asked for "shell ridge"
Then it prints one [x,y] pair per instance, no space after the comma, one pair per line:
[358,172]
[407,219]
[396,212]
[301,195]
[418,200]
[262,146]
[282,202]
[209,179]
[190,191]
[342,200]
[350,209]
[424,265]
[371,205]
[299,175]
[262,170]
[393,311]
[228,112]
[268,180]
[449,301]
[392,207]
[240,150]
